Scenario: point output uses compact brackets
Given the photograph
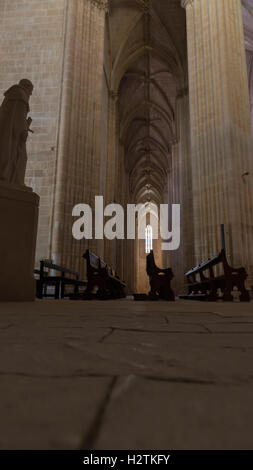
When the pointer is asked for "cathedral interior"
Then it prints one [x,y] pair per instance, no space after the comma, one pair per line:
[141,102]
[133,103]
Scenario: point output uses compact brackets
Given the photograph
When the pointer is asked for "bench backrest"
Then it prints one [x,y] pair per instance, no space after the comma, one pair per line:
[228,271]
[93,261]
[46,264]
[153,270]
[208,264]
[96,264]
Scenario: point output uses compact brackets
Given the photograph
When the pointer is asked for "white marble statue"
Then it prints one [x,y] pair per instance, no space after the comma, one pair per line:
[14,128]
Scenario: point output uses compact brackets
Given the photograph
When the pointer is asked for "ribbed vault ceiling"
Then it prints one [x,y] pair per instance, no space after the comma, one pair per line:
[247,11]
[147,51]
[147,67]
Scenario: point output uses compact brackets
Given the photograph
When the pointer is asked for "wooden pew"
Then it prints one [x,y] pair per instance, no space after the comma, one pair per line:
[103,279]
[159,280]
[204,285]
[59,282]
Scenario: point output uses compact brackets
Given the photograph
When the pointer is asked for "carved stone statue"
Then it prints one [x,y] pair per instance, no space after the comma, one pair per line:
[14,128]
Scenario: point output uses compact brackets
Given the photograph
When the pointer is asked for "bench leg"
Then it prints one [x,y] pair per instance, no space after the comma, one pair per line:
[166,293]
[244,297]
[103,294]
[227,296]
[90,288]
[62,290]
[57,291]
[170,295]
[87,295]
[153,289]
[213,296]
[39,290]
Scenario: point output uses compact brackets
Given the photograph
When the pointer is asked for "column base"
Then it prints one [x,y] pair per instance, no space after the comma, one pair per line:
[19,210]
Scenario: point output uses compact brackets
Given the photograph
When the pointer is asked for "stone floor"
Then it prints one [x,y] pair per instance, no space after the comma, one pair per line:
[126,375]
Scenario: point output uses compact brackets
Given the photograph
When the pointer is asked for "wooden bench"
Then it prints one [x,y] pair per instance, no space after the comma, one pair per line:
[204,285]
[59,282]
[159,280]
[102,279]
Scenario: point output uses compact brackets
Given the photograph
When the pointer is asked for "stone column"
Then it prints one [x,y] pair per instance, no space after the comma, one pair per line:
[249,56]
[221,142]
[185,170]
[167,199]
[183,258]
[112,171]
[79,140]
[123,198]
[175,182]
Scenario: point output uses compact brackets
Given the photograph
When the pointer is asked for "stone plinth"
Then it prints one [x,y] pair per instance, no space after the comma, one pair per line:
[18,220]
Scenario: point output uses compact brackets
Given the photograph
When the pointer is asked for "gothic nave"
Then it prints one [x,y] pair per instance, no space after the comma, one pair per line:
[141,102]
[138,101]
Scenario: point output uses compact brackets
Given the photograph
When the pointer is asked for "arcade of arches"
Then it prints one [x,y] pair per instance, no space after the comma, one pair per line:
[139,101]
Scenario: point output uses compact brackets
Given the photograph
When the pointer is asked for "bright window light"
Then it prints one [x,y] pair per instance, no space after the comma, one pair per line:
[149,239]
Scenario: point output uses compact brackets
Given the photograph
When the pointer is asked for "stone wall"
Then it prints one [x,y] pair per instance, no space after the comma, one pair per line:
[31,46]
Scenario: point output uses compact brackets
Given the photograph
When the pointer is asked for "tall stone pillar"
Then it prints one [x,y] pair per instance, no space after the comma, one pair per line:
[167,199]
[185,165]
[182,259]
[79,140]
[123,198]
[112,171]
[176,257]
[221,142]
[249,57]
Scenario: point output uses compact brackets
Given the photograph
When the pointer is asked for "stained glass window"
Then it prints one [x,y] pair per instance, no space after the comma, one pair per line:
[149,239]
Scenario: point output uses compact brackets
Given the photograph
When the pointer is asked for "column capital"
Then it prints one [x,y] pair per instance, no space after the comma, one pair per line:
[113,95]
[101,4]
[186,3]
[181,92]
[145,5]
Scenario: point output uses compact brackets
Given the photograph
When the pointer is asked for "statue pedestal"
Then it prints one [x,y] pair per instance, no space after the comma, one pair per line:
[19,209]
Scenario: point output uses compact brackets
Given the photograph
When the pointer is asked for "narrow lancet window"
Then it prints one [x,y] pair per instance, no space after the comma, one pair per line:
[149,239]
